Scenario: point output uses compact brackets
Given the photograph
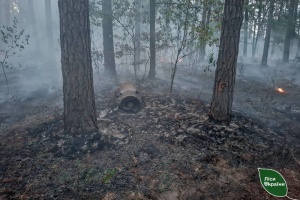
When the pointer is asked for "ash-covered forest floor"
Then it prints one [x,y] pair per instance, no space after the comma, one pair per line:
[167,151]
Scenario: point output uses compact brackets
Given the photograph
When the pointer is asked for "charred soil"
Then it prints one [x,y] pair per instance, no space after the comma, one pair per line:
[168,150]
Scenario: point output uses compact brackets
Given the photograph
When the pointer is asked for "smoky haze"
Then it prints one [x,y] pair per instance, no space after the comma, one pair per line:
[33,76]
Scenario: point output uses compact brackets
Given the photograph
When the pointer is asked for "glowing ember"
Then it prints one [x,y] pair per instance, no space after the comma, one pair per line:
[280,90]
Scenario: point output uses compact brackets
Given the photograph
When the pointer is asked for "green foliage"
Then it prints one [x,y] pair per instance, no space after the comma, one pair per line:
[95,13]
[82,175]
[186,14]
[109,175]
[179,25]
[125,16]
[13,41]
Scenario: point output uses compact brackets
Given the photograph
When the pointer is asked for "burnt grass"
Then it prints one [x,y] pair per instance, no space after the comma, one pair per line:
[168,151]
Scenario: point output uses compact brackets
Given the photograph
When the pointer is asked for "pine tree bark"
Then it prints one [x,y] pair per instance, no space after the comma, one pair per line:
[227,61]
[289,32]
[264,60]
[78,89]
[152,72]
[108,39]
[50,41]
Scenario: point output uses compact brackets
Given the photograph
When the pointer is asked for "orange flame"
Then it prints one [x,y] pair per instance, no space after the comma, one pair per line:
[280,90]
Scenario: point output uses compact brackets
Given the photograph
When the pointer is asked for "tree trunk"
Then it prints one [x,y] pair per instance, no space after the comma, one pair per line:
[264,60]
[32,18]
[152,40]
[295,12]
[202,40]
[227,61]
[108,39]
[289,32]
[23,14]
[258,27]
[178,38]
[50,50]
[253,39]
[78,89]
[35,35]
[246,29]
[280,10]
[296,16]
[298,50]
[137,33]
[7,12]
[205,23]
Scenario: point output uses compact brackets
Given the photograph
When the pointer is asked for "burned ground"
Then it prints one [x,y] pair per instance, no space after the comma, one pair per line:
[168,150]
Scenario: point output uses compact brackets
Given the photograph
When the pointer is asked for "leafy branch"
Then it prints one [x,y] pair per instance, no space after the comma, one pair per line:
[14,42]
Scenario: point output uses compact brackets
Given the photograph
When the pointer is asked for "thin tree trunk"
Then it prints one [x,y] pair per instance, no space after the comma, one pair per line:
[258,27]
[79,99]
[7,12]
[2,9]
[178,39]
[280,10]
[23,14]
[246,29]
[168,29]
[264,60]
[35,34]
[180,49]
[289,32]
[227,61]
[295,12]
[32,19]
[50,40]
[253,39]
[137,30]
[152,40]
[297,57]
[273,48]
[298,50]
[206,27]
[108,39]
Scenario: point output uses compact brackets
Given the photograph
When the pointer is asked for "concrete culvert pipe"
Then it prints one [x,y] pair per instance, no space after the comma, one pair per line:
[128,98]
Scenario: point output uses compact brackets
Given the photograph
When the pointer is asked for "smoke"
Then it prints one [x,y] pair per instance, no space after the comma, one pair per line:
[30,70]
[35,77]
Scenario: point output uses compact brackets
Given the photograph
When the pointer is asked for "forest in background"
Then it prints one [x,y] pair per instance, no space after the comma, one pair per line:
[133,37]
[272,26]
